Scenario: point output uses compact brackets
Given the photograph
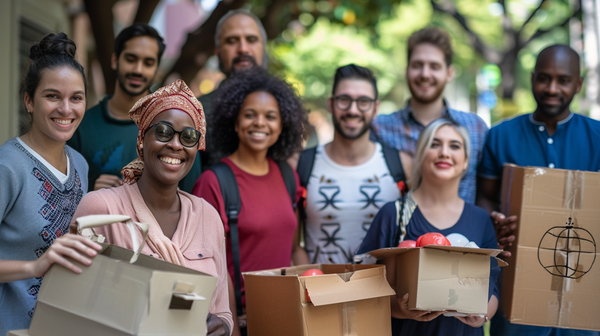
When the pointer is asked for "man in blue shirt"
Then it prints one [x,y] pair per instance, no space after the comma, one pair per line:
[429,70]
[553,137]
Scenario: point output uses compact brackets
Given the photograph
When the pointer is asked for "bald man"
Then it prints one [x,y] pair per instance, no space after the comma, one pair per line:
[552,137]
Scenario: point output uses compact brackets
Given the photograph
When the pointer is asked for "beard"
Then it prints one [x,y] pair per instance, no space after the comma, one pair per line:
[338,127]
[236,60]
[438,91]
[121,78]
[552,111]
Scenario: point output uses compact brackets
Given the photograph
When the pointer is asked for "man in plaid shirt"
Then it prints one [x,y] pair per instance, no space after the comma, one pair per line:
[429,69]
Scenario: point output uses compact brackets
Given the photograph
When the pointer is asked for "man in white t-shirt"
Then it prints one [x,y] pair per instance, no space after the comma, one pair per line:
[349,179]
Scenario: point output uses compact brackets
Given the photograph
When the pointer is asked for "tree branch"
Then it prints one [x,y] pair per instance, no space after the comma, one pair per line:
[101,19]
[200,43]
[490,54]
[269,21]
[541,32]
[531,16]
[145,10]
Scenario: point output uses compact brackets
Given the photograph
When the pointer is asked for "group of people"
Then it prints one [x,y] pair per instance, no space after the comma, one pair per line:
[253,199]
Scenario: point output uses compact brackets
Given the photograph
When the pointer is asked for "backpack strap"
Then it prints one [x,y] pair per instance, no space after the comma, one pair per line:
[394,164]
[304,169]
[305,165]
[289,179]
[231,198]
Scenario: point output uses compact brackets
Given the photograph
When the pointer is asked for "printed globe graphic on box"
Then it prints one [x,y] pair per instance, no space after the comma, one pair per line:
[567,251]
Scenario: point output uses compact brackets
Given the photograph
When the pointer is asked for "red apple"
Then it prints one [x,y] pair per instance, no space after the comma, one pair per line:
[408,243]
[433,238]
[311,272]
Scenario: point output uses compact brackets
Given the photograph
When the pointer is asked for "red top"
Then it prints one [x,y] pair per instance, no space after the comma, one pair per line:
[267,221]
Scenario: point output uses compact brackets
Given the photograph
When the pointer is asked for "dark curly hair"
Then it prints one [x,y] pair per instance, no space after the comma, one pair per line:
[232,94]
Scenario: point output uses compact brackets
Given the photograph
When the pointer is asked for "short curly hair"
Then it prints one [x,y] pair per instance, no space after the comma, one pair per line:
[230,99]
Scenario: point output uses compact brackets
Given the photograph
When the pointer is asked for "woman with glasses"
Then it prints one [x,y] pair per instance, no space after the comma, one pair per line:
[184,229]
[257,121]
[41,181]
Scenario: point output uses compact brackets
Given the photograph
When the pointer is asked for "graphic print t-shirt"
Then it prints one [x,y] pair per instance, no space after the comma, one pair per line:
[341,203]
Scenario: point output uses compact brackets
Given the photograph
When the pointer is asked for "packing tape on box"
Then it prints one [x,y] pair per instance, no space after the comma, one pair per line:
[348,312]
[574,185]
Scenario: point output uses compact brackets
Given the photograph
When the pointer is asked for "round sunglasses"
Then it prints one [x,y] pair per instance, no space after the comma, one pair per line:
[164,132]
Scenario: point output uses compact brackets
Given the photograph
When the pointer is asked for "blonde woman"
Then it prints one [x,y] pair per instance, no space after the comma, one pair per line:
[433,205]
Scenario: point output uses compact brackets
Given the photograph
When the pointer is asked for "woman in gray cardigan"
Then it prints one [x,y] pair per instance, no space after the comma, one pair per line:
[41,182]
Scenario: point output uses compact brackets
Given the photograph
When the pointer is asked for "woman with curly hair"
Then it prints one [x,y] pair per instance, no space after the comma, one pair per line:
[257,121]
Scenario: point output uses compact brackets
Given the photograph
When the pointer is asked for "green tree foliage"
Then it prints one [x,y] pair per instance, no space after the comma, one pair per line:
[325,35]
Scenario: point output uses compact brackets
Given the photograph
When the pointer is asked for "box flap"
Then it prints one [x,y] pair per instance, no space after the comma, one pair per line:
[394,251]
[332,288]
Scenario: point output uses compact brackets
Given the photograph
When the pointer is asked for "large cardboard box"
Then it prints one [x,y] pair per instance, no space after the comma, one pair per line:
[115,297]
[441,278]
[22,332]
[347,300]
[552,279]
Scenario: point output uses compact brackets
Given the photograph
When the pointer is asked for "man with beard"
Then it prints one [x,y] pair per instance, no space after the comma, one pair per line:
[429,69]
[350,178]
[106,136]
[552,137]
[239,44]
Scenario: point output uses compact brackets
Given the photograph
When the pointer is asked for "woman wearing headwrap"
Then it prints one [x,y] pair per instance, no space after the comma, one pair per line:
[184,229]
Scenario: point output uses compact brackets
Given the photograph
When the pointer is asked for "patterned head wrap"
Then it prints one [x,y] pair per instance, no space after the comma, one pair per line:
[176,95]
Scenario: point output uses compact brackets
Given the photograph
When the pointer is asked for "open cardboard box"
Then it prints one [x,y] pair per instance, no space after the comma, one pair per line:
[441,278]
[347,300]
[115,297]
[534,290]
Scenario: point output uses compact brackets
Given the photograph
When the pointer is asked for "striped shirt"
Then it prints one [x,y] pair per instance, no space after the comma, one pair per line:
[401,131]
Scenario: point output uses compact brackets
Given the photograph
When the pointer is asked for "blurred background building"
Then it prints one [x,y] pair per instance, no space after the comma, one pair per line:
[495,42]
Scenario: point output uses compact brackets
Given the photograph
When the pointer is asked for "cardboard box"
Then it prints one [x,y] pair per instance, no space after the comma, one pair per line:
[442,277]
[115,297]
[22,332]
[534,290]
[347,300]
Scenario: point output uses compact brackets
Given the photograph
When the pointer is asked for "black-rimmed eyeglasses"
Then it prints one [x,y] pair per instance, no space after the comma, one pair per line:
[363,103]
[164,132]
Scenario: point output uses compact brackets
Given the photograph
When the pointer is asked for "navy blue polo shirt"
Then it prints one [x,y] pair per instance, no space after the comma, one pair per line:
[523,141]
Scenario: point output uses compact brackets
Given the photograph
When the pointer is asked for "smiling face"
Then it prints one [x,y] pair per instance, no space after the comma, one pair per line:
[555,82]
[427,73]
[258,124]
[445,159]
[137,65]
[58,105]
[240,44]
[168,162]
[353,123]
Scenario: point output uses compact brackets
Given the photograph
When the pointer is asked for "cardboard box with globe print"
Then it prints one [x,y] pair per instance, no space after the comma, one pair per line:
[552,278]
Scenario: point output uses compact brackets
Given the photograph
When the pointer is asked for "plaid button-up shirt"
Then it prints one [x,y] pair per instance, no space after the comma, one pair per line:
[401,131]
